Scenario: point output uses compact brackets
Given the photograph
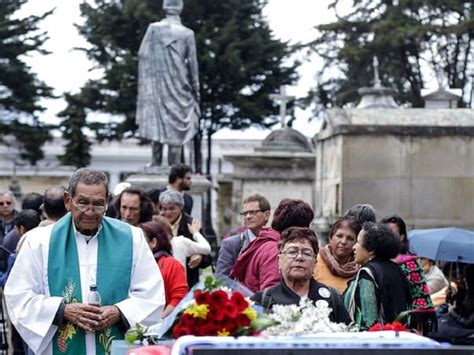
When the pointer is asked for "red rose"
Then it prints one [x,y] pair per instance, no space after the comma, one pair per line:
[388,326]
[206,330]
[238,299]
[231,310]
[230,325]
[375,328]
[243,320]
[202,297]
[219,298]
[179,331]
[187,320]
[216,313]
[399,326]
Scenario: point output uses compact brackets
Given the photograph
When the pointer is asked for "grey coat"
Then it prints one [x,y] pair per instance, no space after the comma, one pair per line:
[229,251]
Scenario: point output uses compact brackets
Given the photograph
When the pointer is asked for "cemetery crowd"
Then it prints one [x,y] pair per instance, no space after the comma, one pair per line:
[143,251]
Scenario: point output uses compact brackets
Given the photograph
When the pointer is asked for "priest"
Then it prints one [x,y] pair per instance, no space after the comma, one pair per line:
[46,294]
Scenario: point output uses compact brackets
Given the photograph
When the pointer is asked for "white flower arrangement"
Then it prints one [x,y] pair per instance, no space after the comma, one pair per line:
[304,319]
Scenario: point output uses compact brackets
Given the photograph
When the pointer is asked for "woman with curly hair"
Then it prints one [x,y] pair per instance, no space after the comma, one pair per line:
[422,316]
[380,291]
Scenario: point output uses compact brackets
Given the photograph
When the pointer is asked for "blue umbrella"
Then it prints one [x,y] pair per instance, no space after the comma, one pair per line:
[447,244]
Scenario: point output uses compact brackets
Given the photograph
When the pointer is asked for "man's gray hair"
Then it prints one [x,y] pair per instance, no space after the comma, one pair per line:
[12,195]
[87,176]
[170,196]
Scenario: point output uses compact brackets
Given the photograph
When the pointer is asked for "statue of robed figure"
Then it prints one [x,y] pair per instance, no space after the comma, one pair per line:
[168,85]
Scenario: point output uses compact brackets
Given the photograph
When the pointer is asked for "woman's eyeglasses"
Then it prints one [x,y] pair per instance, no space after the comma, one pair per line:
[293,254]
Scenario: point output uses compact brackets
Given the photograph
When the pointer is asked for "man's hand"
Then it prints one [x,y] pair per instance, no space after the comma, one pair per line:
[86,316]
[110,315]
[194,261]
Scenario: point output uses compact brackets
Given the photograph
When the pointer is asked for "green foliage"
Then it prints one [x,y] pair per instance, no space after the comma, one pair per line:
[405,35]
[211,284]
[72,126]
[136,334]
[240,63]
[20,90]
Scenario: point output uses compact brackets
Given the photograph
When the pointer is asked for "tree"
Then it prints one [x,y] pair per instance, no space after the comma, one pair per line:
[240,63]
[407,37]
[78,145]
[20,89]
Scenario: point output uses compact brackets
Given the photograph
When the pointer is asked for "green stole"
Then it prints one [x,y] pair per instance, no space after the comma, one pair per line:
[114,266]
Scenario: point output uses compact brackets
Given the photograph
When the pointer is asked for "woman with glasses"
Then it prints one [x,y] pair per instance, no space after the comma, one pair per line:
[297,258]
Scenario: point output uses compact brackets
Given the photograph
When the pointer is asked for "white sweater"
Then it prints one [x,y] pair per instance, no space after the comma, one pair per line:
[184,247]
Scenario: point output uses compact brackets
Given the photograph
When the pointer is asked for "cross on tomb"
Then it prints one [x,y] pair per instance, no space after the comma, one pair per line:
[284,99]
[377,81]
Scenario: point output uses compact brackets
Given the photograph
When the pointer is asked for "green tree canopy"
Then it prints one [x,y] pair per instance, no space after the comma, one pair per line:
[240,63]
[20,89]
[407,36]
[72,126]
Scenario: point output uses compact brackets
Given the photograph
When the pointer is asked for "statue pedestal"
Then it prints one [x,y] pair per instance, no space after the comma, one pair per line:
[158,177]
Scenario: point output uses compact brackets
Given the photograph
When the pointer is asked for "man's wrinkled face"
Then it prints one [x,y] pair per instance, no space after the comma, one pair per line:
[6,206]
[130,208]
[87,207]
[171,211]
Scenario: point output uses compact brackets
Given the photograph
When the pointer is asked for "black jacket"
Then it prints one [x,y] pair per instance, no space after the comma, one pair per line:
[282,294]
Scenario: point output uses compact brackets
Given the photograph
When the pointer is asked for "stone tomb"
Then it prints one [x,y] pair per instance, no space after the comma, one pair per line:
[417,163]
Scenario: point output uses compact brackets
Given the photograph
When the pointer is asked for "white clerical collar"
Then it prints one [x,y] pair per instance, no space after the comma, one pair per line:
[86,237]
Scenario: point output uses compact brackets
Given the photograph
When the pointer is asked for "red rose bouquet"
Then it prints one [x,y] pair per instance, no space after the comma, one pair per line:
[216,311]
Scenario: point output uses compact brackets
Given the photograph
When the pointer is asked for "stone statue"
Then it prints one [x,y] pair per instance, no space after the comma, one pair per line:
[168,85]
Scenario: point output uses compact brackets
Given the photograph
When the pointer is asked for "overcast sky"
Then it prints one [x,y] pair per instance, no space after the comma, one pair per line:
[67,69]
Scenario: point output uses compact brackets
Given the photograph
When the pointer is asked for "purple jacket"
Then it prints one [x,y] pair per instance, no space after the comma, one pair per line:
[257,266]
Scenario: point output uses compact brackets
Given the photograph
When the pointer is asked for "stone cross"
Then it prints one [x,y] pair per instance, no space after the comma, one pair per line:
[284,99]
[375,62]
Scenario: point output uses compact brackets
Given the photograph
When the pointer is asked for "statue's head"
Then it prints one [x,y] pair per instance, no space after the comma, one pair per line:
[173,7]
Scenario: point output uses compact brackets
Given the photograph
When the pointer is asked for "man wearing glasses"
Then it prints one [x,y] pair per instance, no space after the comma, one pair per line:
[255,213]
[7,212]
[46,294]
